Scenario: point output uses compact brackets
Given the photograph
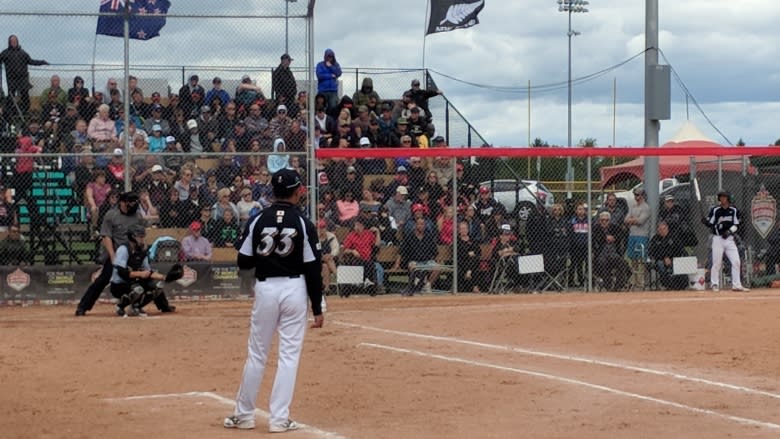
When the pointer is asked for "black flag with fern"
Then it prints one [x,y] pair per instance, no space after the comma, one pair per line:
[447,15]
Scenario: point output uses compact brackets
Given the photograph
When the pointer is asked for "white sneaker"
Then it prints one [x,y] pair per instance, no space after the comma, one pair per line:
[234,422]
[743,289]
[427,288]
[715,288]
[289,425]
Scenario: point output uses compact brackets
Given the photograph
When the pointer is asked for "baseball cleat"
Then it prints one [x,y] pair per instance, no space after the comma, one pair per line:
[289,425]
[234,422]
[743,289]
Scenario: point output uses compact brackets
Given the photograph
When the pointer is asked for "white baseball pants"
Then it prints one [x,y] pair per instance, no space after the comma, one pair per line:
[727,245]
[280,303]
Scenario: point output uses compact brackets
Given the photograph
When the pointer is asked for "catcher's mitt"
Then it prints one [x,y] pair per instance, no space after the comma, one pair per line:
[175,273]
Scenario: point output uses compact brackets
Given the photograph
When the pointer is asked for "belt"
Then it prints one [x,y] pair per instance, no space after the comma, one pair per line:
[292,276]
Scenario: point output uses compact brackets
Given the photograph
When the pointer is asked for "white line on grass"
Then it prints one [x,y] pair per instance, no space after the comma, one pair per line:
[226,401]
[572,358]
[739,419]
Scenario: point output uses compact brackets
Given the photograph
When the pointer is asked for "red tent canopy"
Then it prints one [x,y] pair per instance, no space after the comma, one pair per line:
[670,166]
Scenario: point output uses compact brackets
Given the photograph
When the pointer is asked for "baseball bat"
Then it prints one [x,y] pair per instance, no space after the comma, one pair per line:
[697,191]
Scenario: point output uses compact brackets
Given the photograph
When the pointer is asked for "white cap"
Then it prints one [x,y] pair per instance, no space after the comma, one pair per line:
[281,107]
[170,139]
[402,190]
[192,123]
[157,168]
[364,141]
[506,228]
[118,151]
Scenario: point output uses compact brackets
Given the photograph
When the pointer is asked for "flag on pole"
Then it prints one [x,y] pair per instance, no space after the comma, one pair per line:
[447,15]
[145,17]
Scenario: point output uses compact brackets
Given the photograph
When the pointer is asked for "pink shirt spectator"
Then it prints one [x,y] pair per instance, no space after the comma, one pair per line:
[347,210]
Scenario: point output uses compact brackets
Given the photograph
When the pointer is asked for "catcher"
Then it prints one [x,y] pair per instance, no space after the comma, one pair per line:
[134,282]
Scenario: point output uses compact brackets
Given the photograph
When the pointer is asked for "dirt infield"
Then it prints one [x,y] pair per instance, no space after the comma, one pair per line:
[653,365]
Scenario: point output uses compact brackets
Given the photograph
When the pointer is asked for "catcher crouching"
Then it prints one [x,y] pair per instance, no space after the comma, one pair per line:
[134,282]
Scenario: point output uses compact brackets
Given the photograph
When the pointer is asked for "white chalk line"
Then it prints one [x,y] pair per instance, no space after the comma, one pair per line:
[572,358]
[230,402]
[698,410]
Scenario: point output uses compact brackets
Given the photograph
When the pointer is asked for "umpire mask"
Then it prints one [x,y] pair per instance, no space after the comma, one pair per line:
[131,202]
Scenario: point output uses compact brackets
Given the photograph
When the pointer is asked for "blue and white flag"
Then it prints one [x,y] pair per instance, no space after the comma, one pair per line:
[145,17]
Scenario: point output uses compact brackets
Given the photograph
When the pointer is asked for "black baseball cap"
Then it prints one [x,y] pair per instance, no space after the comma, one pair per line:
[285,181]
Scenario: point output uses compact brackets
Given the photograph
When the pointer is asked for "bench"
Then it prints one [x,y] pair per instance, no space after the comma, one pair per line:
[387,256]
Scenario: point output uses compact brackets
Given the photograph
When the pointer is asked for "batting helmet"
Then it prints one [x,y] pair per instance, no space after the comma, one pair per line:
[724,194]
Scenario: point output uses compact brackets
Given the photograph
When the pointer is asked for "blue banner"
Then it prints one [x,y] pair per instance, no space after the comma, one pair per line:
[145,17]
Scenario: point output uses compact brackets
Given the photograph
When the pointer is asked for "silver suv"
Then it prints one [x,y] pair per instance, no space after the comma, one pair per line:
[520,196]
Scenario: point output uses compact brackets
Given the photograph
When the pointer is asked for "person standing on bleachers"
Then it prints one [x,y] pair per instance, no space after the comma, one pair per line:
[328,73]
[17,75]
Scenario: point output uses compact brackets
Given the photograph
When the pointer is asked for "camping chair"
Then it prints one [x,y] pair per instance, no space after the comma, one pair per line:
[534,265]
[640,273]
[348,278]
[685,265]
[501,279]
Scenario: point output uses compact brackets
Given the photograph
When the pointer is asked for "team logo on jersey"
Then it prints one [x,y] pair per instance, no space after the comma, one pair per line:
[763,211]
[190,277]
[18,280]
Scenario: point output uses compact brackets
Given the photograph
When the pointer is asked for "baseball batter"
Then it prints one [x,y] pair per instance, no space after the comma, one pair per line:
[723,221]
[283,248]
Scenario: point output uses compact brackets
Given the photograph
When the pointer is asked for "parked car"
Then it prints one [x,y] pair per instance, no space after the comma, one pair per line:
[520,196]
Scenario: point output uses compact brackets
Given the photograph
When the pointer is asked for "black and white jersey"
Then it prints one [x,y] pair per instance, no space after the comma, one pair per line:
[720,219]
[281,241]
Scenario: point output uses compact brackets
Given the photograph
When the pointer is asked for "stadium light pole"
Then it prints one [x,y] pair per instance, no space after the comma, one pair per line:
[287,24]
[570,7]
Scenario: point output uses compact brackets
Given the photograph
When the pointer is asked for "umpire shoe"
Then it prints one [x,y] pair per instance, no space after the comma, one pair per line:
[120,311]
[288,425]
[234,422]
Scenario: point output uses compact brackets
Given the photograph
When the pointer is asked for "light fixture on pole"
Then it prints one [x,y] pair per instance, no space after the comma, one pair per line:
[571,6]
[287,24]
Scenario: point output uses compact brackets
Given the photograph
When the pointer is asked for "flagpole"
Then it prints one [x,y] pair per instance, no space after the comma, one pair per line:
[94,55]
[425,30]
[126,84]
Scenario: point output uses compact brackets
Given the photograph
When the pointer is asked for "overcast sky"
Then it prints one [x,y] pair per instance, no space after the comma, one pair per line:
[725,52]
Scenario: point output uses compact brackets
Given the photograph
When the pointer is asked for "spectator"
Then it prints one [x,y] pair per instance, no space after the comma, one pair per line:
[283,80]
[187,101]
[173,162]
[52,110]
[445,224]
[132,131]
[23,179]
[247,93]
[184,183]
[399,207]
[421,96]
[280,124]
[156,119]
[663,248]
[326,122]
[254,121]
[366,92]
[504,255]
[14,249]
[223,203]
[139,109]
[157,186]
[217,92]
[492,226]
[617,209]
[115,169]
[328,74]
[295,139]
[83,174]
[236,187]
[387,227]
[102,130]
[8,214]
[418,250]
[469,253]
[638,222]
[17,75]
[227,121]
[558,237]
[112,87]
[329,245]
[194,246]
[209,225]
[476,227]
[96,194]
[359,248]
[368,202]
[485,204]
[609,266]
[169,211]
[348,208]
[580,226]
[678,220]
[261,188]
[228,229]
[148,210]
[246,205]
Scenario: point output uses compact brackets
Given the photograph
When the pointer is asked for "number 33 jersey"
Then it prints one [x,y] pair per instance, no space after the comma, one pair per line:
[281,241]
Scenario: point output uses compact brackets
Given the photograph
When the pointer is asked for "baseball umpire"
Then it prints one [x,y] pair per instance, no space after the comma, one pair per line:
[283,248]
[113,233]
[723,222]
[133,280]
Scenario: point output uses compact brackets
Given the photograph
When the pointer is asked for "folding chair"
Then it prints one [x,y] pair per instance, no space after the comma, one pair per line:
[349,277]
[501,282]
[534,264]
[560,280]
[639,269]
